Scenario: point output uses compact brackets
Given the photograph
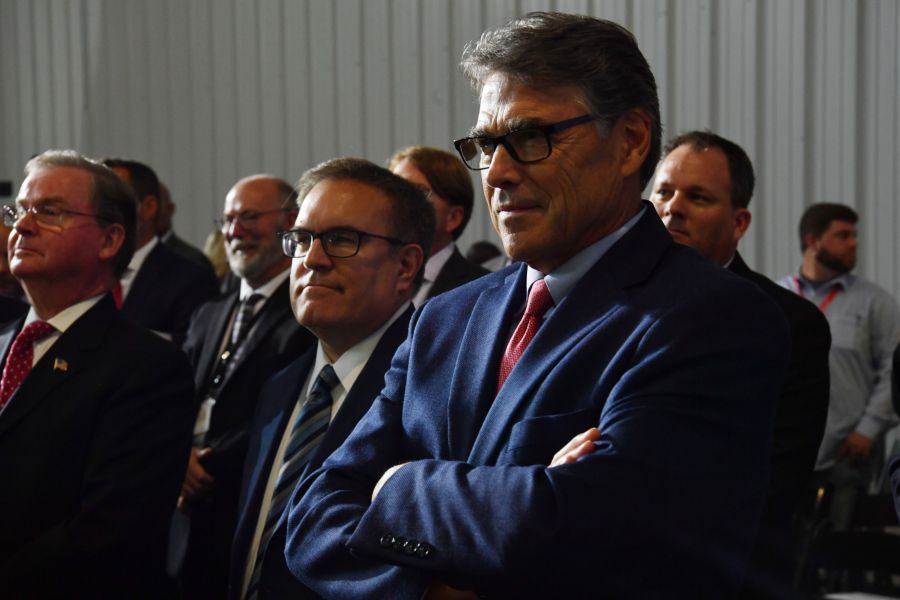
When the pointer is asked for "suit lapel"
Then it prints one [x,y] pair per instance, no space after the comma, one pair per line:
[8,335]
[139,293]
[594,300]
[271,313]
[212,341]
[474,381]
[365,389]
[277,412]
[69,356]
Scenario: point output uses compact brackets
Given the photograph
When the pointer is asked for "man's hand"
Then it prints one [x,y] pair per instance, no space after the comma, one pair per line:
[857,448]
[197,482]
[578,446]
[384,478]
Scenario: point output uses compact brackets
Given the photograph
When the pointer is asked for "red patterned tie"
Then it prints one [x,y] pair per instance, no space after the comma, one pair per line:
[539,301]
[18,363]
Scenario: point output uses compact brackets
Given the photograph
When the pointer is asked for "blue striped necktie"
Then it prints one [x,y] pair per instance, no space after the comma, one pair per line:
[307,432]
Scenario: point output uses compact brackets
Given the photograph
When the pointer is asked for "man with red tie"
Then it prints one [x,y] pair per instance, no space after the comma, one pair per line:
[96,411]
[444,488]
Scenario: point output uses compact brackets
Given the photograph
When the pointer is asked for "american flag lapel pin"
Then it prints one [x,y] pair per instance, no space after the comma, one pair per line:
[60,364]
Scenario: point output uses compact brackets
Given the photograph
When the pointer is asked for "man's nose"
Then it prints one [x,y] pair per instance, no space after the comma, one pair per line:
[503,170]
[316,257]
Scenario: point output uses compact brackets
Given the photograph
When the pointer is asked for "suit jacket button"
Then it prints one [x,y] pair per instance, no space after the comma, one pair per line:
[399,542]
[411,547]
[217,379]
[423,550]
[386,541]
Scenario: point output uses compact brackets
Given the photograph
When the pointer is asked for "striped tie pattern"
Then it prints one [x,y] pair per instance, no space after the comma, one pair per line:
[307,432]
[244,318]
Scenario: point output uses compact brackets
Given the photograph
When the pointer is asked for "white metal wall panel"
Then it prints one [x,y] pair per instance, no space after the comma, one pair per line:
[208,91]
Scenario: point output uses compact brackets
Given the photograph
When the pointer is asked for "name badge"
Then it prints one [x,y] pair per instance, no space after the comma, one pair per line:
[204,417]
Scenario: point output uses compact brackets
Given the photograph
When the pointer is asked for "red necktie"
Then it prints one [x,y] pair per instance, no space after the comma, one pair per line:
[539,301]
[18,363]
[117,294]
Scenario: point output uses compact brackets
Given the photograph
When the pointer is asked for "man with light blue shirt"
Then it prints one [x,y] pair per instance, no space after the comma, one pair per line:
[865,328]
[444,488]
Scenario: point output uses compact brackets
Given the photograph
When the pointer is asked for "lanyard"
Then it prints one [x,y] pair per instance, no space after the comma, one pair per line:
[826,301]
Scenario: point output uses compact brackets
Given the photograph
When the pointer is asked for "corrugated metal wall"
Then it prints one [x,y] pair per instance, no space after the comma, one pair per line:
[207,91]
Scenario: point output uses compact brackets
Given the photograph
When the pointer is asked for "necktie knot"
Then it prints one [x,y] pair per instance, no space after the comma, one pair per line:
[539,299]
[21,355]
[324,383]
[246,311]
[35,331]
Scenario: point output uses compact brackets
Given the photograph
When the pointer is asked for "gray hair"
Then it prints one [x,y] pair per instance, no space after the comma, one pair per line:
[111,197]
[602,58]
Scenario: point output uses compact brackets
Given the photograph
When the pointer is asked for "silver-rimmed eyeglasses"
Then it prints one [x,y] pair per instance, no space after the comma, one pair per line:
[48,216]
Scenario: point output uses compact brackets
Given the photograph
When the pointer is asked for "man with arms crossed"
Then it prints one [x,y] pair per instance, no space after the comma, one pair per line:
[444,484]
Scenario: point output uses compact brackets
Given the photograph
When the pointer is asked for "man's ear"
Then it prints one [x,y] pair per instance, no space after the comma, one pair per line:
[636,135]
[113,238]
[412,258]
[455,216]
[742,218]
[149,207]
[809,241]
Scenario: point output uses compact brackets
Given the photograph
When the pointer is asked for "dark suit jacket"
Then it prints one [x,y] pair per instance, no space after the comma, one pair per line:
[455,272]
[11,308]
[646,347]
[799,425]
[275,340]
[167,290]
[93,448]
[275,405]
[182,248]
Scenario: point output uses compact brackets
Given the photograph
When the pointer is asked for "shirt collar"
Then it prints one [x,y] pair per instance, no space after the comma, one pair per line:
[65,318]
[561,281]
[437,261]
[141,254]
[351,363]
[845,280]
[266,289]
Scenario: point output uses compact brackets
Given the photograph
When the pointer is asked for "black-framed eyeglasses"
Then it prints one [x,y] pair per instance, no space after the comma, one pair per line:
[246,219]
[47,216]
[337,243]
[526,145]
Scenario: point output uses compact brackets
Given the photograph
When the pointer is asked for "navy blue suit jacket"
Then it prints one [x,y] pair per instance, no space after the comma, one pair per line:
[678,362]
[273,410]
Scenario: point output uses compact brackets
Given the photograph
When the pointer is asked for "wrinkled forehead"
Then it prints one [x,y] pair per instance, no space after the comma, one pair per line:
[68,186]
[507,103]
